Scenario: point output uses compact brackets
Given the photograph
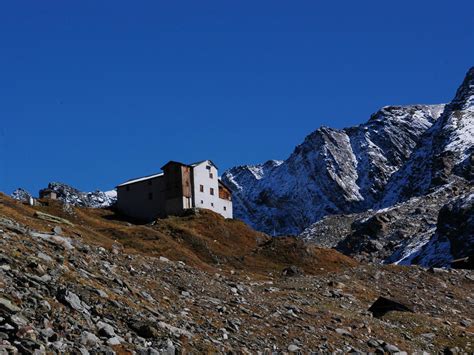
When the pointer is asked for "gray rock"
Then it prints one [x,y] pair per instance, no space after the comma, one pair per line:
[44,257]
[293,348]
[101,293]
[83,351]
[8,305]
[18,320]
[170,348]
[89,340]
[105,329]
[374,343]
[429,336]
[342,331]
[60,346]
[175,330]
[71,299]
[391,348]
[114,341]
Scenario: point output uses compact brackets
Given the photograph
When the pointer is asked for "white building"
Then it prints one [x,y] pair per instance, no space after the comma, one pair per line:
[178,188]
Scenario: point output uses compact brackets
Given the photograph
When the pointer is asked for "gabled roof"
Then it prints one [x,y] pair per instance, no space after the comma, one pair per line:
[203,161]
[191,165]
[132,181]
[173,162]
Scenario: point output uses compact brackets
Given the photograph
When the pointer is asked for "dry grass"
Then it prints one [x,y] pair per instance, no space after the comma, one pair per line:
[205,240]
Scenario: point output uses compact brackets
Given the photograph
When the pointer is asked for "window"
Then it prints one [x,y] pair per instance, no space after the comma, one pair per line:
[127,187]
[212,204]
[202,202]
[211,176]
[212,191]
[201,188]
[150,196]
[225,208]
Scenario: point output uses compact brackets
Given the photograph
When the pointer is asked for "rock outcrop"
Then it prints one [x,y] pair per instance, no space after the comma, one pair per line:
[456,223]
[74,197]
[21,195]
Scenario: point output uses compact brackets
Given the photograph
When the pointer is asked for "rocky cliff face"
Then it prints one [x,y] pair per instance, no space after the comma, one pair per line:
[456,223]
[411,232]
[445,149]
[332,171]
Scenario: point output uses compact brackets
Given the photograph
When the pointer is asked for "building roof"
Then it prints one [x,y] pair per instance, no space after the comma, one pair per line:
[173,162]
[148,177]
[190,165]
[203,161]
[132,181]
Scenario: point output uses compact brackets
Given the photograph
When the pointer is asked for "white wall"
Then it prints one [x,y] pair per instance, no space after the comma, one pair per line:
[205,199]
[221,203]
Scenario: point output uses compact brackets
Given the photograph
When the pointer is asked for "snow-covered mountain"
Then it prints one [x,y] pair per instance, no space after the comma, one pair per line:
[332,171]
[72,196]
[400,153]
[446,148]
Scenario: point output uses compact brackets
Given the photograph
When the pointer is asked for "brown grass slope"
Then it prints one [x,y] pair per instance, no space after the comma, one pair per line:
[204,240]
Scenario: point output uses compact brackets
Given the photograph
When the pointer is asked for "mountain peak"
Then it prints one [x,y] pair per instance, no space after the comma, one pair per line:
[464,99]
[331,171]
[400,152]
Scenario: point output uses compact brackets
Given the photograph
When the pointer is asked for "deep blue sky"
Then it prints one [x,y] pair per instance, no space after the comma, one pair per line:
[96,92]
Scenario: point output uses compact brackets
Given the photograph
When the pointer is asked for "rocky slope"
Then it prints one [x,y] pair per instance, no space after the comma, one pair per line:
[74,197]
[84,281]
[332,171]
[411,232]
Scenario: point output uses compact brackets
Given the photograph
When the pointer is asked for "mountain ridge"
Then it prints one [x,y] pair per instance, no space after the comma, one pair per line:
[400,152]
[347,169]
